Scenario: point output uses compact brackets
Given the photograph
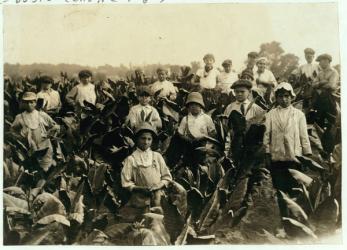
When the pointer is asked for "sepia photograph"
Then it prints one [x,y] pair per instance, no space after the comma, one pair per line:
[163,123]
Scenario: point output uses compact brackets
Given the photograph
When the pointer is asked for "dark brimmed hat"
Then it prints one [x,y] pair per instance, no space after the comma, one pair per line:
[145,127]
[324,56]
[227,62]
[46,79]
[208,56]
[195,97]
[309,51]
[85,73]
[252,54]
[242,83]
[247,72]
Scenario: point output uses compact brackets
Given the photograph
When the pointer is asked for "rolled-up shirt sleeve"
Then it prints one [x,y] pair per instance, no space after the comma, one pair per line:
[127,174]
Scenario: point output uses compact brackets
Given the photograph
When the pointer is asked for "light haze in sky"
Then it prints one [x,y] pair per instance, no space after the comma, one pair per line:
[96,35]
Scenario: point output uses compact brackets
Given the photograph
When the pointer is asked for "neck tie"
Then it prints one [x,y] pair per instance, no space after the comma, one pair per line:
[242,108]
[143,115]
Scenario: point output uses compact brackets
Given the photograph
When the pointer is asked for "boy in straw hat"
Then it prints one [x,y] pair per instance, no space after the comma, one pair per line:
[196,124]
[35,126]
[145,173]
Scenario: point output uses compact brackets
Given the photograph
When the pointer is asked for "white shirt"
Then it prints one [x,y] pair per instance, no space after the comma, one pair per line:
[139,113]
[208,80]
[266,76]
[254,110]
[308,69]
[81,93]
[166,87]
[144,168]
[197,126]
[51,99]
[225,80]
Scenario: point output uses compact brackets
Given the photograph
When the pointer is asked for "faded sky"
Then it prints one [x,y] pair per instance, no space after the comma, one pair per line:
[175,34]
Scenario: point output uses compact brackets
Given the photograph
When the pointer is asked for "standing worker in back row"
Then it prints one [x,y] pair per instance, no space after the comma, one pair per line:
[324,101]
[84,91]
[310,69]
[207,77]
[163,87]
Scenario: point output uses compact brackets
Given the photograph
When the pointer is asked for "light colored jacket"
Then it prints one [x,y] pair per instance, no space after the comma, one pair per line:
[286,134]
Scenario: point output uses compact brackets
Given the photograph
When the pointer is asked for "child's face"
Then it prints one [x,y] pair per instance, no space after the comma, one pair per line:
[309,57]
[144,100]
[261,66]
[46,86]
[29,106]
[227,68]
[86,80]
[161,76]
[144,141]
[194,108]
[284,98]
[324,63]
[241,94]
[209,62]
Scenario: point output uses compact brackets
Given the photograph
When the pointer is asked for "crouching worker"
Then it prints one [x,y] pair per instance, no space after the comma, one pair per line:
[285,138]
[144,174]
[35,127]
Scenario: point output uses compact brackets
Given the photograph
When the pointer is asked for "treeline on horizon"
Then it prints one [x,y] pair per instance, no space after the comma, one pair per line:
[19,71]
[280,63]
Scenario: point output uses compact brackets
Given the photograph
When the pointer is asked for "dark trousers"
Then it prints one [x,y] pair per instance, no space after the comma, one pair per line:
[325,105]
[283,181]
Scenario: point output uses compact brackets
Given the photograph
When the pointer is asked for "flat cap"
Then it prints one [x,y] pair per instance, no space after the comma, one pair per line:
[242,83]
[252,54]
[324,56]
[29,96]
[309,51]
[227,62]
[247,73]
